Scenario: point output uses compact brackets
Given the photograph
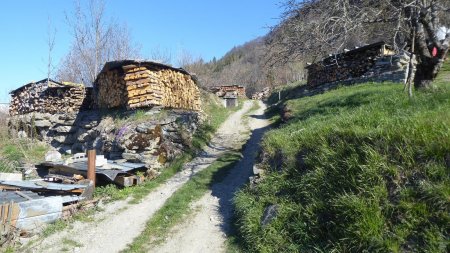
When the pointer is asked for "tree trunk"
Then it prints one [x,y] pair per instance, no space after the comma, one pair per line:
[425,73]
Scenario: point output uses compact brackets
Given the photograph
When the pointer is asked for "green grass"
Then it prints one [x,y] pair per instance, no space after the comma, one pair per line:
[71,243]
[177,207]
[14,151]
[216,115]
[358,169]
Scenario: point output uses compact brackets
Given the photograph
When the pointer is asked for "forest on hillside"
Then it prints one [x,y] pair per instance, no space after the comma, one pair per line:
[310,30]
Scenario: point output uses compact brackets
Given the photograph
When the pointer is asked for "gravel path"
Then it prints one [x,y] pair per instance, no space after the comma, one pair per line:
[120,222]
[208,229]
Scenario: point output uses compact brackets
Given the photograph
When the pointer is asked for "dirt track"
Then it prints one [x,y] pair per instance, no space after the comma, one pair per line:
[208,229]
[120,222]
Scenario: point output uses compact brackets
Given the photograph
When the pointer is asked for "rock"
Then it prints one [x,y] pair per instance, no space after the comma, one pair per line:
[67,116]
[89,124]
[66,149]
[42,123]
[65,129]
[254,181]
[84,138]
[97,144]
[256,170]
[270,213]
[167,120]
[169,128]
[131,157]
[53,156]
[67,123]
[22,134]
[145,128]
[152,173]
[154,110]
[78,147]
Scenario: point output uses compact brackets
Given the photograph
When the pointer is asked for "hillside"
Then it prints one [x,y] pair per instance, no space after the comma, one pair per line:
[360,168]
[247,65]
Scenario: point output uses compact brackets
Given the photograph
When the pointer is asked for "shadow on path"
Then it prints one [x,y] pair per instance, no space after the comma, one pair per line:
[236,178]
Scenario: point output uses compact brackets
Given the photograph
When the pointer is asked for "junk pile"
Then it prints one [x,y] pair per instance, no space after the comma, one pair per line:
[26,205]
[60,188]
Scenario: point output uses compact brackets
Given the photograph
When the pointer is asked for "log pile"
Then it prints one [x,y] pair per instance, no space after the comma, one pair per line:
[265,93]
[147,85]
[369,62]
[112,91]
[220,91]
[49,97]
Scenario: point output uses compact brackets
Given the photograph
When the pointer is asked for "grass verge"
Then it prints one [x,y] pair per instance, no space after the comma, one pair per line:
[14,151]
[178,205]
[357,169]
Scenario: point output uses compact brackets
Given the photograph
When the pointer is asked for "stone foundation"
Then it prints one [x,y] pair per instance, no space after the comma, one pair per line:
[157,138]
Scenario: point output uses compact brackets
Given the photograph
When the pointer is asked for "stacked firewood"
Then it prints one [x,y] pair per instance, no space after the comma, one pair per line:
[342,67]
[112,91]
[47,99]
[147,86]
[67,100]
[364,62]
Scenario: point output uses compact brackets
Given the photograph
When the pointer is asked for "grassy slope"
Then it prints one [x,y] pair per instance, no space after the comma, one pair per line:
[358,168]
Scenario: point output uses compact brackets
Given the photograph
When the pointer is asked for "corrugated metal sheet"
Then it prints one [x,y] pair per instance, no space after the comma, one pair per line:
[35,213]
[8,196]
[111,170]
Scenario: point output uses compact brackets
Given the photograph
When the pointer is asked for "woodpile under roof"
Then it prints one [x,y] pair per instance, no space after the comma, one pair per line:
[220,91]
[49,96]
[133,84]
[375,62]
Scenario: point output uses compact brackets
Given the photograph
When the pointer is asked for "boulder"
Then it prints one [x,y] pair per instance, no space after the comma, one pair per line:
[146,128]
[65,149]
[42,123]
[53,156]
[131,157]
[65,139]
[270,213]
[65,129]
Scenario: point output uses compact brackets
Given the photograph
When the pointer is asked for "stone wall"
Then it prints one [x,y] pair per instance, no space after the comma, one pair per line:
[155,139]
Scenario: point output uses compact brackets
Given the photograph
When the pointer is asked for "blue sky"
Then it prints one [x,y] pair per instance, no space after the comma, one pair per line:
[203,28]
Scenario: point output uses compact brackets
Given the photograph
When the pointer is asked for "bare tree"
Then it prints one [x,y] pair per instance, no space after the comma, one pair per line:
[161,55]
[312,28]
[95,41]
[51,34]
